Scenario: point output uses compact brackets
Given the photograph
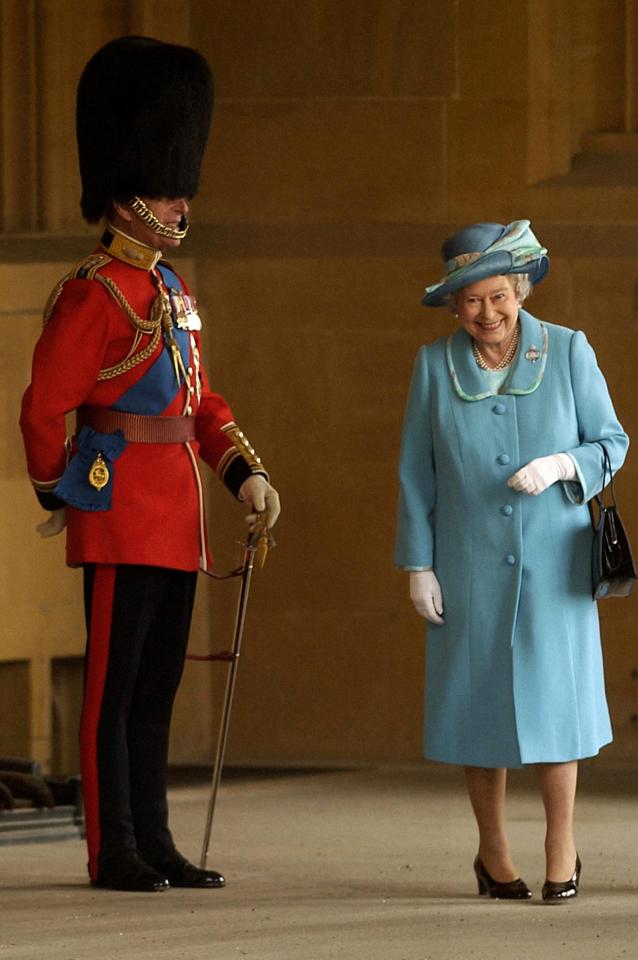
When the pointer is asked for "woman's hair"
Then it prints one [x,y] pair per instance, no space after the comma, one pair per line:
[521,284]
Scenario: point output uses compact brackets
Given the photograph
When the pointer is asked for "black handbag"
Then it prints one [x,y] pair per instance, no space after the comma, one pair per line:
[613,570]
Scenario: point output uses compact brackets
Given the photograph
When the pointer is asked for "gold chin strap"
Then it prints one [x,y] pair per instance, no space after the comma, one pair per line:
[138,206]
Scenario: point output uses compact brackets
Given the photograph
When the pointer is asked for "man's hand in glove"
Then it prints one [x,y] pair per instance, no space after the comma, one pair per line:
[54,525]
[258,493]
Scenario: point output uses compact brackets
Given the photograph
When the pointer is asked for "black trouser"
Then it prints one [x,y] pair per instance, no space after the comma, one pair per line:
[138,620]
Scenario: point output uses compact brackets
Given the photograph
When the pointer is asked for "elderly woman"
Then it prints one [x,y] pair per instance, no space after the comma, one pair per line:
[500,454]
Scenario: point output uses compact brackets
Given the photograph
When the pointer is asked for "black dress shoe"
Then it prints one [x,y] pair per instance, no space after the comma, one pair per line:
[559,892]
[130,872]
[182,873]
[487,886]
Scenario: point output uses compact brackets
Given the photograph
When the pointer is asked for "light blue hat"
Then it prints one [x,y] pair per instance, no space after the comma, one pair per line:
[487,250]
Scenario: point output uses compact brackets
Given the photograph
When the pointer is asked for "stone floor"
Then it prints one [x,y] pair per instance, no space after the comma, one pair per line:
[372,864]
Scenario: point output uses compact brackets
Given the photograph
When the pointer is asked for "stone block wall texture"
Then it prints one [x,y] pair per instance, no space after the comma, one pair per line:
[349,138]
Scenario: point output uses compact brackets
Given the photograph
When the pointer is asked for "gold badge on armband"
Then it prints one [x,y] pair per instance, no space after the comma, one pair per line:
[99,473]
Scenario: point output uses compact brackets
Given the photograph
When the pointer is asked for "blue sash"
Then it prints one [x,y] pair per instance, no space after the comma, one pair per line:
[153,392]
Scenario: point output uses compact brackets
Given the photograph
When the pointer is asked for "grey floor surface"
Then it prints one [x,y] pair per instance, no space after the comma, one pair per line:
[339,864]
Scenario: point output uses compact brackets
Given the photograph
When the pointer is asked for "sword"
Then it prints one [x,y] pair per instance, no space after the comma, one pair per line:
[255,551]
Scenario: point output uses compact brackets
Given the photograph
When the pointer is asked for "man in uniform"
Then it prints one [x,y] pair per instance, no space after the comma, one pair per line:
[121,346]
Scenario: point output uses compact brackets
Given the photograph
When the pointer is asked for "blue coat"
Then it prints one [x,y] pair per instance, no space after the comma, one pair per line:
[515,674]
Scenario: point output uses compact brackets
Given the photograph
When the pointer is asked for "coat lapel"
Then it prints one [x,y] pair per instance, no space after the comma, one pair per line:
[526,372]
[529,366]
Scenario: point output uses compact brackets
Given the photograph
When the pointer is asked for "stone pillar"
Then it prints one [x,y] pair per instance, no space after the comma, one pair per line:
[18,122]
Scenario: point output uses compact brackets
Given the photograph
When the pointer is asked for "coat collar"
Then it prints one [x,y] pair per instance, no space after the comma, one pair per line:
[119,245]
[525,373]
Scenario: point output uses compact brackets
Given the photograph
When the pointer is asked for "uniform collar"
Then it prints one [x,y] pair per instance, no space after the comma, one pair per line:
[122,247]
[525,374]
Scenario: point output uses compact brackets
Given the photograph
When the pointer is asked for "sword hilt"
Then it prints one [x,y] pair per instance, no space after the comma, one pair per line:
[260,539]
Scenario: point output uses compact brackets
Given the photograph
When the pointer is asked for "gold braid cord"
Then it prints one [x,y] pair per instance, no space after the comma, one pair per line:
[87,269]
[146,326]
[160,319]
[108,373]
[53,299]
[153,326]
[162,308]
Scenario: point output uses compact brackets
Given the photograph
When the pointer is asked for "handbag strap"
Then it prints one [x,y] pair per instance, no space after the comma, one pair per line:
[598,497]
[606,471]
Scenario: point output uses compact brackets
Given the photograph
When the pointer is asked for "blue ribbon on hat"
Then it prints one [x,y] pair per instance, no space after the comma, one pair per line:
[517,240]
[517,243]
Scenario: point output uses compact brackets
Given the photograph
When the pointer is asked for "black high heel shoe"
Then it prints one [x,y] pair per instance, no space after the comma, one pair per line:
[559,892]
[487,886]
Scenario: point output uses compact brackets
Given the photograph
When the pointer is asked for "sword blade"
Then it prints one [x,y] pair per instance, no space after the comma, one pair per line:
[240,618]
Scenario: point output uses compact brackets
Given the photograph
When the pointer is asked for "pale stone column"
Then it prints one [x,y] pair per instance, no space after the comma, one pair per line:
[631,66]
[548,117]
[18,128]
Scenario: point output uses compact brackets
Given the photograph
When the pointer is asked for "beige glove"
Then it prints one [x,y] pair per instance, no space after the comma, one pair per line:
[257,492]
[541,473]
[425,594]
[54,525]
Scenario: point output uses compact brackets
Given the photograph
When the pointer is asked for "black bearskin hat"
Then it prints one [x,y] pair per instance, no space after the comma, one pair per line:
[142,121]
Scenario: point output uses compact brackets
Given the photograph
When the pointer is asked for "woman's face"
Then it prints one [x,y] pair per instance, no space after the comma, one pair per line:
[488,310]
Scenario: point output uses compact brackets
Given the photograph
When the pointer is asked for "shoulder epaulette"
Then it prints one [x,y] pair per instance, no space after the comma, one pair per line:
[84,270]
[87,268]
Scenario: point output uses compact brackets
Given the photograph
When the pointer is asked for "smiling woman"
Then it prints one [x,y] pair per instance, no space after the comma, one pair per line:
[488,310]
[500,454]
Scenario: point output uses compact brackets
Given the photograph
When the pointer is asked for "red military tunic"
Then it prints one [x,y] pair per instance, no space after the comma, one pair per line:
[99,341]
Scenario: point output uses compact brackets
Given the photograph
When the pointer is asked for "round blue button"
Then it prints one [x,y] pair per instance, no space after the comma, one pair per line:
[510,559]
[499,408]
[503,459]
[507,510]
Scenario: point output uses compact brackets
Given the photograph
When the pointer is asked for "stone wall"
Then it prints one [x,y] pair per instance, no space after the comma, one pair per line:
[349,139]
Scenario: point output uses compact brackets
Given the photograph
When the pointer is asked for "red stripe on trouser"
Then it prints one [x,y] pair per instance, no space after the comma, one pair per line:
[98,658]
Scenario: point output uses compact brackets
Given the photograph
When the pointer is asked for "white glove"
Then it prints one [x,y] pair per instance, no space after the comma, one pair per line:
[425,594]
[541,473]
[54,525]
[261,496]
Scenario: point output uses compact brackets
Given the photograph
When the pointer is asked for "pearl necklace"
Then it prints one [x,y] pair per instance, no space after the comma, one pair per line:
[504,361]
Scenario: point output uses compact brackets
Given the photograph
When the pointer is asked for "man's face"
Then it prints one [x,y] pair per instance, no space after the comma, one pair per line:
[168,210]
